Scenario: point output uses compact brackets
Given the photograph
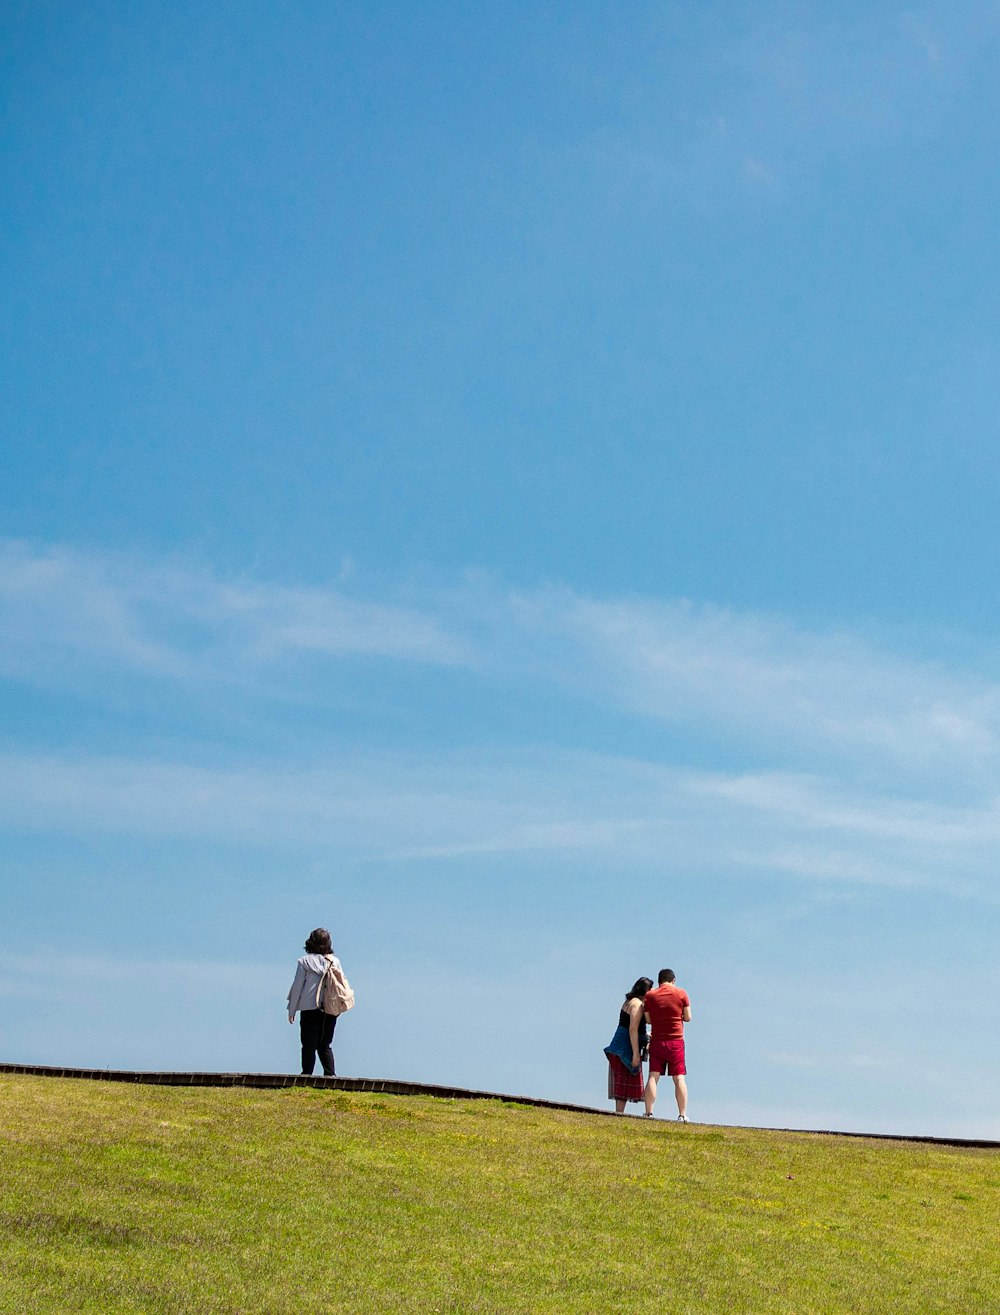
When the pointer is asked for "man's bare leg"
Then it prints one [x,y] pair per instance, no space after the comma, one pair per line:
[681,1092]
[649,1095]
[619,1107]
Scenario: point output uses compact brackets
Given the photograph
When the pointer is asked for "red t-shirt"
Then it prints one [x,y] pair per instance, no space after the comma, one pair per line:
[665,1006]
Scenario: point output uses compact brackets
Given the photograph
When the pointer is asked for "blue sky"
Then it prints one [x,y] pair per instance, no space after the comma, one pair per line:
[516,484]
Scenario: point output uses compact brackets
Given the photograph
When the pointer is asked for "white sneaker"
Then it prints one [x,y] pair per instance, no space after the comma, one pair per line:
[683,1118]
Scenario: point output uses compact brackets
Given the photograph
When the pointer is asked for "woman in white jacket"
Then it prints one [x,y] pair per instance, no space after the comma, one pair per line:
[315,1027]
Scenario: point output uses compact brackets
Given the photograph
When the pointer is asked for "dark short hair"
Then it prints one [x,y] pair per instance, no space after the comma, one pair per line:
[318,942]
[666,975]
[642,985]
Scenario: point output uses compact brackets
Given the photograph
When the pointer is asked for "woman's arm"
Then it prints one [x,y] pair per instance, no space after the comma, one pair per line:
[295,990]
[634,1008]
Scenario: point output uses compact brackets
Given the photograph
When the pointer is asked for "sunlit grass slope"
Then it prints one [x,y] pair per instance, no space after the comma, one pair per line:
[117,1198]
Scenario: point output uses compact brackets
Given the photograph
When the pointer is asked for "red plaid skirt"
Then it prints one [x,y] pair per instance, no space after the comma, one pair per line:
[623,1085]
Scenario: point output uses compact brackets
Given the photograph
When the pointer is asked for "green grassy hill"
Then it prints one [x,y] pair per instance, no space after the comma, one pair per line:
[118,1198]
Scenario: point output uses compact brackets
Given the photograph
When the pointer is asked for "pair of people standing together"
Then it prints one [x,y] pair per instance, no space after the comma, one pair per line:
[662,1011]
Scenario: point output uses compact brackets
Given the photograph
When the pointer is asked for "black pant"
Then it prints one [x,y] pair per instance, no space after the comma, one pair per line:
[316,1030]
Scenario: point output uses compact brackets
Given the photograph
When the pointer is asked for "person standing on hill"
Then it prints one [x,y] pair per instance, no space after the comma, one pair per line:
[667,1009]
[315,1026]
[627,1047]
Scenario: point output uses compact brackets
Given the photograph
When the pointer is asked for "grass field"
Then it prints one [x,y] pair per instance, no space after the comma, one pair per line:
[119,1198]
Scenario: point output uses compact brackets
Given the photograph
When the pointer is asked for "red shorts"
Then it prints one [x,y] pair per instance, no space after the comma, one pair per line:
[667,1056]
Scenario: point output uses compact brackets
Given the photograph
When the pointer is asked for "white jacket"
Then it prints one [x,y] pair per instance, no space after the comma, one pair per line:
[308,974]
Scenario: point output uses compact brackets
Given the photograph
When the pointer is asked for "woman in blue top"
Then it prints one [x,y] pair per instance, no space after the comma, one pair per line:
[627,1048]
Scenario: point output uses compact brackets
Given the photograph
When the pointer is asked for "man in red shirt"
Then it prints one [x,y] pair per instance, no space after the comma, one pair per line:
[667,1009]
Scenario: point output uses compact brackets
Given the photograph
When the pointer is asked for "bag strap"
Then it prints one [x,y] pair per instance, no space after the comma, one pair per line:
[322,978]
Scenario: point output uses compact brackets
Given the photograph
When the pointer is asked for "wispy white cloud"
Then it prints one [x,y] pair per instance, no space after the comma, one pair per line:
[777,96]
[815,89]
[867,765]
[578,807]
[759,681]
[60,607]
[763,681]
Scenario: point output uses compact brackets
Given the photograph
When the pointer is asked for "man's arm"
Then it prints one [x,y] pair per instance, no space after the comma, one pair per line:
[687,1014]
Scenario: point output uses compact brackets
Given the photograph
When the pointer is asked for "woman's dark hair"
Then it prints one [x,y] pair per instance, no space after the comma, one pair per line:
[319,942]
[638,992]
